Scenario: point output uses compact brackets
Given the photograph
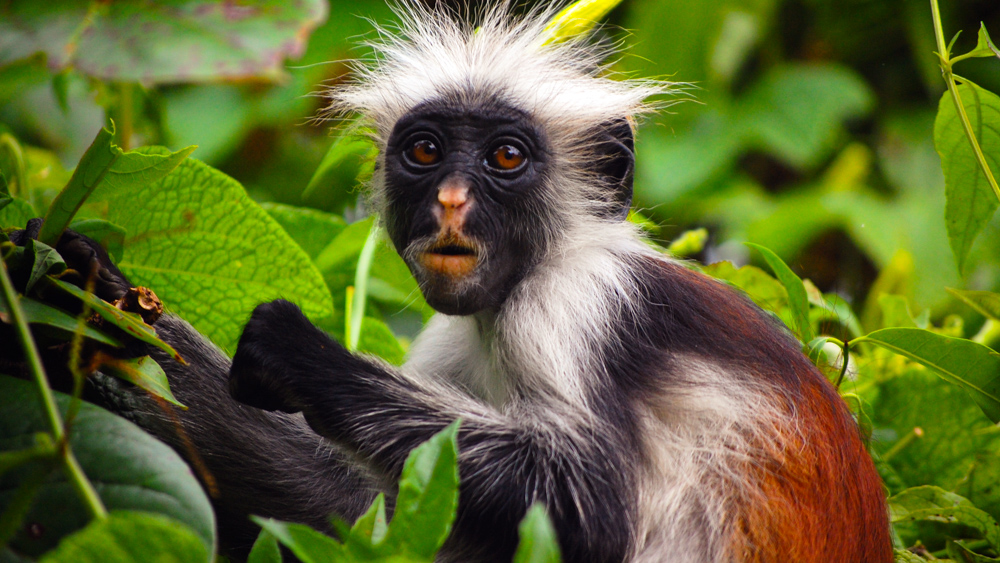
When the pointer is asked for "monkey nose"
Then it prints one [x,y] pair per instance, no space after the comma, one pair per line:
[453,193]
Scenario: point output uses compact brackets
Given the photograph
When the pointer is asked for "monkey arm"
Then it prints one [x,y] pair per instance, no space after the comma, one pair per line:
[576,465]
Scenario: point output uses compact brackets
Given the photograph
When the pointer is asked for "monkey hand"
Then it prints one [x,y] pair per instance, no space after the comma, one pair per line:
[86,257]
[281,357]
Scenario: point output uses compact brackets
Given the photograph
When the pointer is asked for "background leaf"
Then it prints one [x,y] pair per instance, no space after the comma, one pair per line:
[971,366]
[130,470]
[195,39]
[971,201]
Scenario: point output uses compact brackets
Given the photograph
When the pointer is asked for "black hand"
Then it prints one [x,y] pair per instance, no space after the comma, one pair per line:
[85,256]
[279,357]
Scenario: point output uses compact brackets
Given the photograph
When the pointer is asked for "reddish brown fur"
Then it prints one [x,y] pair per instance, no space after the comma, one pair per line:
[822,499]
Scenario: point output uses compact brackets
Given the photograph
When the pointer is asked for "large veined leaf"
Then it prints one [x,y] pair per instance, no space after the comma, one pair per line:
[970,365]
[971,201]
[130,469]
[131,537]
[163,41]
[210,253]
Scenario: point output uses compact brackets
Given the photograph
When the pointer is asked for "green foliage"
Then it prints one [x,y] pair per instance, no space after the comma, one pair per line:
[131,537]
[937,505]
[971,201]
[424,512]
[132,471]
[425,509]
[538,538]
[196,39]
[210,252]
[843,203]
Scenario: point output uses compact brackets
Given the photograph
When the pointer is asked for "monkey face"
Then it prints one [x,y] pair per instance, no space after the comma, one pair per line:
[466,201]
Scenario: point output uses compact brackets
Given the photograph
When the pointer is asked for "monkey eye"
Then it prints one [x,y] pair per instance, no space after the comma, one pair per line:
[506,158]
[424,152]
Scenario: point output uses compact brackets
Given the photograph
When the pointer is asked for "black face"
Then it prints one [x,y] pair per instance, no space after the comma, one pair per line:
[465,201]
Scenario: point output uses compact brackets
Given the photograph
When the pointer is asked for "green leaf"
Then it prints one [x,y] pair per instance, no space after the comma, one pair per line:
[307,544]
[985,46]
[797,298]
[428,497]
[5,197]
[971,201]
[105,233]
[371,527]
[181,41]
[896,311]
[972,366]
[94,164]
[45,260]
[143,372]
[313,230]
[131,537]
[937,505]
[44,448]
[131,323]
[350,147]
[16,510]
[130,469]
[16,214]
[210,253]
[903,556]
[265,549]
[105,162]
[346,247]
[764,290]
[538,538]
[689,243]
[577,19]
[985,303]
[39,313]
[958,551]
[796,113]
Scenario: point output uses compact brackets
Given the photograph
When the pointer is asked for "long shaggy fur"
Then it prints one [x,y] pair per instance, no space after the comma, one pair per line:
[434,54]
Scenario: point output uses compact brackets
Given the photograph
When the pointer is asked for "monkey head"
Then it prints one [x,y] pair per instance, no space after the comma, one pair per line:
[487,165]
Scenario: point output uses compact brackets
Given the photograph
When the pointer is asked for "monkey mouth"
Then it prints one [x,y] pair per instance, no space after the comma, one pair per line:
[451,258]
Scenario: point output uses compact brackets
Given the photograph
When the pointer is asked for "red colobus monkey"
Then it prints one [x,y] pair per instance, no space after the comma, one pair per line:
[657,414]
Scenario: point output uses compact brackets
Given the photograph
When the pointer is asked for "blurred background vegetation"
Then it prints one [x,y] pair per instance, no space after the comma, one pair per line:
[805,126]
[808,128]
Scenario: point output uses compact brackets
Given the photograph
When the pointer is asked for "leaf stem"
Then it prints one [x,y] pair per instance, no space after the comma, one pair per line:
[944,55]
[361,287]
[34,359]
[73,470]
[125,115]
[846,347]
[902,443]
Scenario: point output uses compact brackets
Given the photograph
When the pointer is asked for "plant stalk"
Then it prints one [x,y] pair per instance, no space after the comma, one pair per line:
[73,470]
[949,77]
[361,287]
